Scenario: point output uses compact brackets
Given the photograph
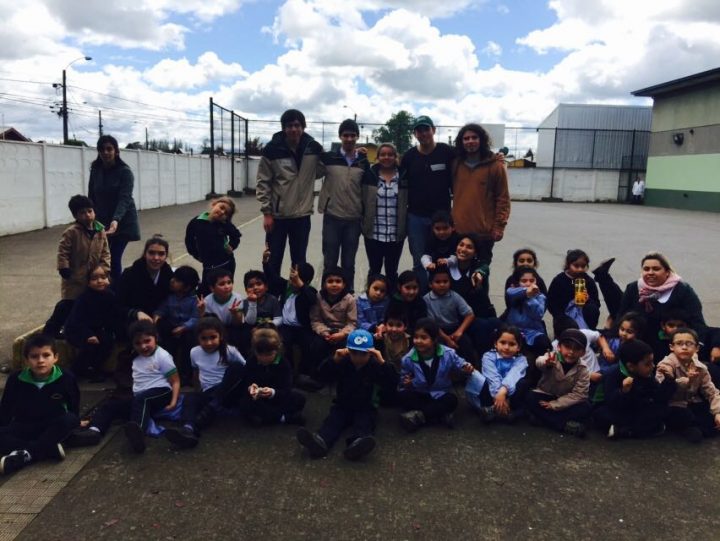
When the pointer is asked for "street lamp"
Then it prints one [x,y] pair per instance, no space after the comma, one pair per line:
[353,110]
[64,109]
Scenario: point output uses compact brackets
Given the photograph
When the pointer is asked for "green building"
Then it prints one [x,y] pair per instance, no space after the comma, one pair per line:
[683,169]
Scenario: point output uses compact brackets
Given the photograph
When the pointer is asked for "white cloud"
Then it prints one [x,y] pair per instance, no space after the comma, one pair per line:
[492,49]
[180,74]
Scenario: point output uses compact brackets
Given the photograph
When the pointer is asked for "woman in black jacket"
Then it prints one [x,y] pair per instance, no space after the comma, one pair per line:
[111,189]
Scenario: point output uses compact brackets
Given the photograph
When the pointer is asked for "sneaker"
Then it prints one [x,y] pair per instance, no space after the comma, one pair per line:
[136,437]
[184,438]
[295,419]
[693,434]
[604,266]
[618,432]
[449,420]
[56,452]
[14,461]
[487,414]
[83,438]
[314,443]
[359,447]
[412,420]
[307,383]
[574,428]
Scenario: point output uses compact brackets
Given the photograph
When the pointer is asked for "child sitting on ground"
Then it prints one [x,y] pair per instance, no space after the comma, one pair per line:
[372,304]
[83,246]
[407,300]
[262,388]
[258,308]
[225,304]
[498,391]
[695,405]
[526,308]
[92,324]
[177,317]
[425,391]
[358,370]
[441,242]
[393,345]
[211,238]
[210,360]
[566,298]
[560,400]
[526,257]
[156,384]
[671,321]
[636,405]
[39,408]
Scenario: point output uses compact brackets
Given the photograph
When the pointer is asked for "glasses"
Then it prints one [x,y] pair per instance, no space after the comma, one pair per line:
[687,344]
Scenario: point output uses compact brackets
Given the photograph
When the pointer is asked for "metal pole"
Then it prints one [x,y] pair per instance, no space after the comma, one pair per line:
[100,126]
[64,109]
[232,151]
[212,153]
[147,145]
[247,158]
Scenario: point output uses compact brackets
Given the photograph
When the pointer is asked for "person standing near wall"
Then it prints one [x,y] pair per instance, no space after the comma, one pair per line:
[428,169]
[285,188]
[638,191]
[111,189]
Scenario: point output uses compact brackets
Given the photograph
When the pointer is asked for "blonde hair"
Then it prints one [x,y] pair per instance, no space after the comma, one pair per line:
[228,201]
[266,339]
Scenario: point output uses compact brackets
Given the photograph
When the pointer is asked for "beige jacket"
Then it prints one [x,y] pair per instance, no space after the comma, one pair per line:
[341,316]
[687,391]
[570,388]
[81,254]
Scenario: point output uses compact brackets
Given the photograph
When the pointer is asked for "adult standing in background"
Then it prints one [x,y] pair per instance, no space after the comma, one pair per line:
[481,198]
[638,191]
[111,189]
[428,169]
[285,188]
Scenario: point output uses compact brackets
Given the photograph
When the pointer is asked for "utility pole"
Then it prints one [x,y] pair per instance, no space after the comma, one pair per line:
[100,126]
[64,110]
[147,146]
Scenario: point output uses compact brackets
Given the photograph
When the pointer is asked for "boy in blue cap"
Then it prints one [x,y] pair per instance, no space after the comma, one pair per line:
[359,370]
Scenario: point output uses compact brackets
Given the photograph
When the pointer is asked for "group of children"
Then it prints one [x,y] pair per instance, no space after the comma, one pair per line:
[388,346]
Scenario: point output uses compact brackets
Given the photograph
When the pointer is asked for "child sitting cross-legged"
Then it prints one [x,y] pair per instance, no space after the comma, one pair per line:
[393,345]
[358,369]
[498,392]
[425,391]
[39,408]
[560,400]
[258,308]
[441,242]
[223,302]
[372,304]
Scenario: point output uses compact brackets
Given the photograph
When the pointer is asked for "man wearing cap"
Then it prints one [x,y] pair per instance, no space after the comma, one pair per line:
[341,201]
[428,169]
[285,188]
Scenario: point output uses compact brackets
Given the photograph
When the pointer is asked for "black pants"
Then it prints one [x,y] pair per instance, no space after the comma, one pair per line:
[697,414]
[271,410]
[384,252]
[299,337]
[178,346]
[466,345]
[91,358]
[361,422]
[642,421]
[295,230]
[540,346]
[39,439]
[517,399]
[59,317]
[196,402]
[109,410]
[555,419]
[611,292]
[318,350]
[433,408]
[148,403]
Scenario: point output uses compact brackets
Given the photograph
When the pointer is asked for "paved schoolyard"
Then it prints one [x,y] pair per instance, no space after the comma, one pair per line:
[473,482]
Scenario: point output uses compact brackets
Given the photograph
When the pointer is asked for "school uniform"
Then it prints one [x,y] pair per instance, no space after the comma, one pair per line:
[370,314]
[356,400]
[449,311]
[565,387]
[431,388]
[265,310]
[179,312]
[329,316]
[409,311]
[561,301]
[497,372]
[37,415]
[393,352]
[527,313]
[208,242]
[151,389]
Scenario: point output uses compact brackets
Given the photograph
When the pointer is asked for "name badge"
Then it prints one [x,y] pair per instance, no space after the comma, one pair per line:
[438,167]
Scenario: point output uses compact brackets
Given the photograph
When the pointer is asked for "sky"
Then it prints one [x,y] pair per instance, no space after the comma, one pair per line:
[156,63]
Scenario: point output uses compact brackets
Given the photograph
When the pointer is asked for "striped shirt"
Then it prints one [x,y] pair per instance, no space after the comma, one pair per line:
[386,217]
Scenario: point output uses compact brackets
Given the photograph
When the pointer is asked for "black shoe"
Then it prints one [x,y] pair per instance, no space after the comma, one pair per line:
[574,428]
[96,377]
[205,417]
[359,448]
[83,438]
[449,420]
[693,434]
[412,420]
[306,383]
[314,443]
[295,419]
[184,438]
[56,452]
[14,461]
[603,267]
[254,420]
[487,414]
[136,437]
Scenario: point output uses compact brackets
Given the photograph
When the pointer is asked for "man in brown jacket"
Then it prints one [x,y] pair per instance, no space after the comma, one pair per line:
[83,247]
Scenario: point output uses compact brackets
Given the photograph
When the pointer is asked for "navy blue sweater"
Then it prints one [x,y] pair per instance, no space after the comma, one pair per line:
[23,402]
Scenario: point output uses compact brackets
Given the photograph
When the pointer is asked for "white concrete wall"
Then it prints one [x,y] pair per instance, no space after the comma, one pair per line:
[576,185]
[37,180]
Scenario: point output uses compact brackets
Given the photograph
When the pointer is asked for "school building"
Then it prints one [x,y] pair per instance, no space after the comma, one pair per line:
[684,155]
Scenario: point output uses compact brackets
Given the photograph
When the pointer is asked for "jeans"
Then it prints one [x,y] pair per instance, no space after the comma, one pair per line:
[555,419]
[390,253]
[418,229]
[338,236]
[117,247]
[297,231]
[362,424]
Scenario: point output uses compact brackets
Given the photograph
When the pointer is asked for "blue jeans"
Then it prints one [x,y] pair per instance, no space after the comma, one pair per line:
[117,247]
[418,229]
[338,236]
[297,231]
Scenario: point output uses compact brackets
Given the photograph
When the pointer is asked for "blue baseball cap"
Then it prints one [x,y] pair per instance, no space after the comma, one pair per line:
[360,340]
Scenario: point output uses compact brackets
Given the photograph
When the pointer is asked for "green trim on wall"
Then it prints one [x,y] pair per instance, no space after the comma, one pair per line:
[698,173]
[686,200]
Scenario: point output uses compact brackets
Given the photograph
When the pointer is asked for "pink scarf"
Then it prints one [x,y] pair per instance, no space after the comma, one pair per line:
[648,293]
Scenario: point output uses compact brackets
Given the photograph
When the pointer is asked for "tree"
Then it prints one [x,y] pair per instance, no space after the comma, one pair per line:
[254,147]
[397,130]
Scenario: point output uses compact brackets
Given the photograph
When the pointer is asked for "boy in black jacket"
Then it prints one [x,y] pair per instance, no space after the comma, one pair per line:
[360,371]
[39,408]
[636,405]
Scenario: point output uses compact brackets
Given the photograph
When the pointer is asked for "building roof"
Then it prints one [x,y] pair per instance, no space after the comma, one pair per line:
[589,116]
[11,134]
[684,83]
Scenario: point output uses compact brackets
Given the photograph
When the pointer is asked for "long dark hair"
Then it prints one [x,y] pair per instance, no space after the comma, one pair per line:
[101,142]
[484,136]
[212,323]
